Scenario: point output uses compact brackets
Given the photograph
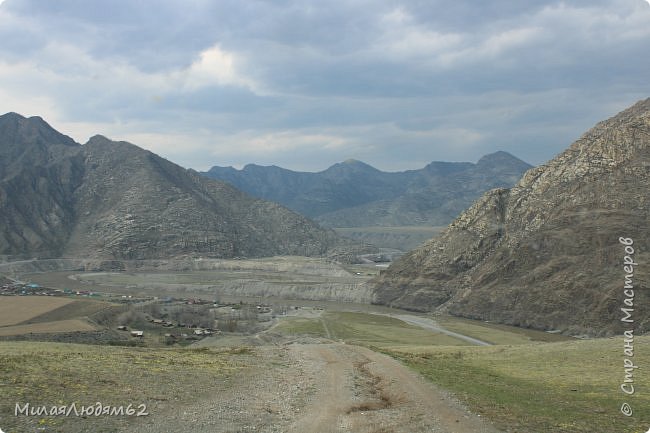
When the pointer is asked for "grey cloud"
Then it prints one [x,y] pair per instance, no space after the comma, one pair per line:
[399,83]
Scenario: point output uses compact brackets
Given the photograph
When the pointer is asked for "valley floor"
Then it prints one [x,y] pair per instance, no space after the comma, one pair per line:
[310,366]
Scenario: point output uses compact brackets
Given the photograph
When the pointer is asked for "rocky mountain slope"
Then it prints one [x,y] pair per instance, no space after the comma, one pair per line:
[546,253]
[354,194]
[39,171]
[111,199]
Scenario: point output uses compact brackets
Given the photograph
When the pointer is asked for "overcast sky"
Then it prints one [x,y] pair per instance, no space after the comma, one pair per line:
[305,84]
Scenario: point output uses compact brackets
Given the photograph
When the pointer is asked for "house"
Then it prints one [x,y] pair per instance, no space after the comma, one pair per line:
[139,334]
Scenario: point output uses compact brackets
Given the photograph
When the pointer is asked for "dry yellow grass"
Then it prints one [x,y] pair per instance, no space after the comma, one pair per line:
[62,374]
[71,325]
[17,309]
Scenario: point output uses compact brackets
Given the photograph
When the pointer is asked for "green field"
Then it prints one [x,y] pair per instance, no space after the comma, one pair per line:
[543,387]
[495,333]
[390,332]
[365,329]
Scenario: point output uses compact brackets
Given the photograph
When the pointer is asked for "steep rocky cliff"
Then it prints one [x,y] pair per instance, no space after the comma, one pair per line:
[545,253]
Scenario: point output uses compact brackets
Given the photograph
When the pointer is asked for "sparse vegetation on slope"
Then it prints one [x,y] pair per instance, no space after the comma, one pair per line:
[564,387]
[61,374]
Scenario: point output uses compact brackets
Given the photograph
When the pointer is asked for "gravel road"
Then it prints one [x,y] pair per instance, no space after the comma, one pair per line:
[311,388]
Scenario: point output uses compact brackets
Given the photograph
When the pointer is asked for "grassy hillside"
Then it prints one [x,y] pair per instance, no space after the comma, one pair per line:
[544,387]
[62,374]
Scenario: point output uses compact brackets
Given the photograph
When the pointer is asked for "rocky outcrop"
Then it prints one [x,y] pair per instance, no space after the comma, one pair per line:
[545,253]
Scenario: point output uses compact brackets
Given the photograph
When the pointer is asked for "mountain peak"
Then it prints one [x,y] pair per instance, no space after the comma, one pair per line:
[98,139]
[18,120]
[351,165]
[17,128]
[30,142]
[501,158]
[610,143]
[499,154]
[12,115]
[596,143]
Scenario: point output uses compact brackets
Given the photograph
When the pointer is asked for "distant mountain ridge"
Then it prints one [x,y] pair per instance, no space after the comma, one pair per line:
[355,194]
[114,200]
[546,253]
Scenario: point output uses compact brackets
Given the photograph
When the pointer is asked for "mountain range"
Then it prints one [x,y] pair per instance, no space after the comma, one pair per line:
[114,200]
[548,253]
[355,194]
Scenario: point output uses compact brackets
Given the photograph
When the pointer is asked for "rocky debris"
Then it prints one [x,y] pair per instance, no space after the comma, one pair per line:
[545,253]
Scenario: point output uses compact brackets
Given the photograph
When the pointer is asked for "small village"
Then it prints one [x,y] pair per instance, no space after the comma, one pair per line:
[175,320]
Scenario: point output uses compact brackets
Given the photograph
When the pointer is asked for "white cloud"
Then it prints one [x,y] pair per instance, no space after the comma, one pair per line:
[492,48]
[402,39]
[214,67]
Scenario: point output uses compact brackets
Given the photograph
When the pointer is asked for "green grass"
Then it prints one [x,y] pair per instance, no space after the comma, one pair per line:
[544,387]
[61,374]
[301,326]
[495,333]
[365,329]
[381,331]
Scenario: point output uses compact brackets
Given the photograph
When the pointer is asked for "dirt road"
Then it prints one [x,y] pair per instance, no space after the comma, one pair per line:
[314,388]
[427,323]
[362,391]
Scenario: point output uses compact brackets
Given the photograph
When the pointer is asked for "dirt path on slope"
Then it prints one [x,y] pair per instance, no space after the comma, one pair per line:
[317,388]
[362,391]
